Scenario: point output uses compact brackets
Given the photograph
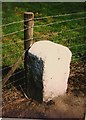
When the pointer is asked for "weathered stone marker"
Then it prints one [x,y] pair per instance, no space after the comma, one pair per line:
[48,70]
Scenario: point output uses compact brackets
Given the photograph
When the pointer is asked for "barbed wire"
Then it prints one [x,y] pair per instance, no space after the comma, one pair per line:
[16,80]
[14,63]
[14,32]
[26,50]
[22,60]
[49,24]
[59,22]
[62,15]
[62,39]
[24,70]
[43,36]
[40,18]
[57,32]
[52,23]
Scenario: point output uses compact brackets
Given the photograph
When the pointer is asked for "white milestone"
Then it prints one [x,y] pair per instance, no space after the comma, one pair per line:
[56,67]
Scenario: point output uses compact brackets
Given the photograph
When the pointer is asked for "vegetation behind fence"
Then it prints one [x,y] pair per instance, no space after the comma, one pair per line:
[56,22]
[62,23]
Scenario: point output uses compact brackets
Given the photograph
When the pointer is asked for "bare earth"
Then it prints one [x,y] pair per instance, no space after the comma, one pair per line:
[70,105]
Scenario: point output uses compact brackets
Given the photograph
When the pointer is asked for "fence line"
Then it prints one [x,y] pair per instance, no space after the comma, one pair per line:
[46,36]
[14,63]
[24,69]
[24,76]
[59,22]
[14,32]
[59,15]
[19,72]
[49,24]
[22,60]
[40,18]
[13,68]
[41,37]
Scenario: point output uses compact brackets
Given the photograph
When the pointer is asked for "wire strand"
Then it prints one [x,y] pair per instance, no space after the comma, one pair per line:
[26,50]
[14,32]
[12,64]
[46,36]
[62,15]
[59,22]
[42,37]
[40,18]
[43,25]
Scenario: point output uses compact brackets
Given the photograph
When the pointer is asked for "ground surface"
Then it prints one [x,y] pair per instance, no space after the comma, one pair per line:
[70,105]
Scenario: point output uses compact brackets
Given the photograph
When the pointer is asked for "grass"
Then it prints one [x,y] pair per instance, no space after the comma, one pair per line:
[63,33]
[13,45]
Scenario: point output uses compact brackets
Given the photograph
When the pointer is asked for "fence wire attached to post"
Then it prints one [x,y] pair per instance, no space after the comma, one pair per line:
[28,34]
[18,79]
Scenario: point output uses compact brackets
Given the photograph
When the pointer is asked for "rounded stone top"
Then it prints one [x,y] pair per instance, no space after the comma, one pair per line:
[28,13]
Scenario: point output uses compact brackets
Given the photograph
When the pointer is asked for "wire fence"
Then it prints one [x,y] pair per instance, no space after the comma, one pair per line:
[52,23]
[20,74]
[47,35]
[41,18]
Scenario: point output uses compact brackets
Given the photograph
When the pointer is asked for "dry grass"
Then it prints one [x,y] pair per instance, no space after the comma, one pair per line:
[70,105]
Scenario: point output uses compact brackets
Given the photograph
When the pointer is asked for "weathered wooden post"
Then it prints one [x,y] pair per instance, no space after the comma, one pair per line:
[28,26]
[47,65]
[28,37]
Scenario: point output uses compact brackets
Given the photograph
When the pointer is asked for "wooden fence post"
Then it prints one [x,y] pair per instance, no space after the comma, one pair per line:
[28,37]
[28,26]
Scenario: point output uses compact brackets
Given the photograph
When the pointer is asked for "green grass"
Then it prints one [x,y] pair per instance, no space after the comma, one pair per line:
[57,33]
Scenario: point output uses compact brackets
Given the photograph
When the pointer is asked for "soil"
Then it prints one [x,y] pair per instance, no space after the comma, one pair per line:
[70,105]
